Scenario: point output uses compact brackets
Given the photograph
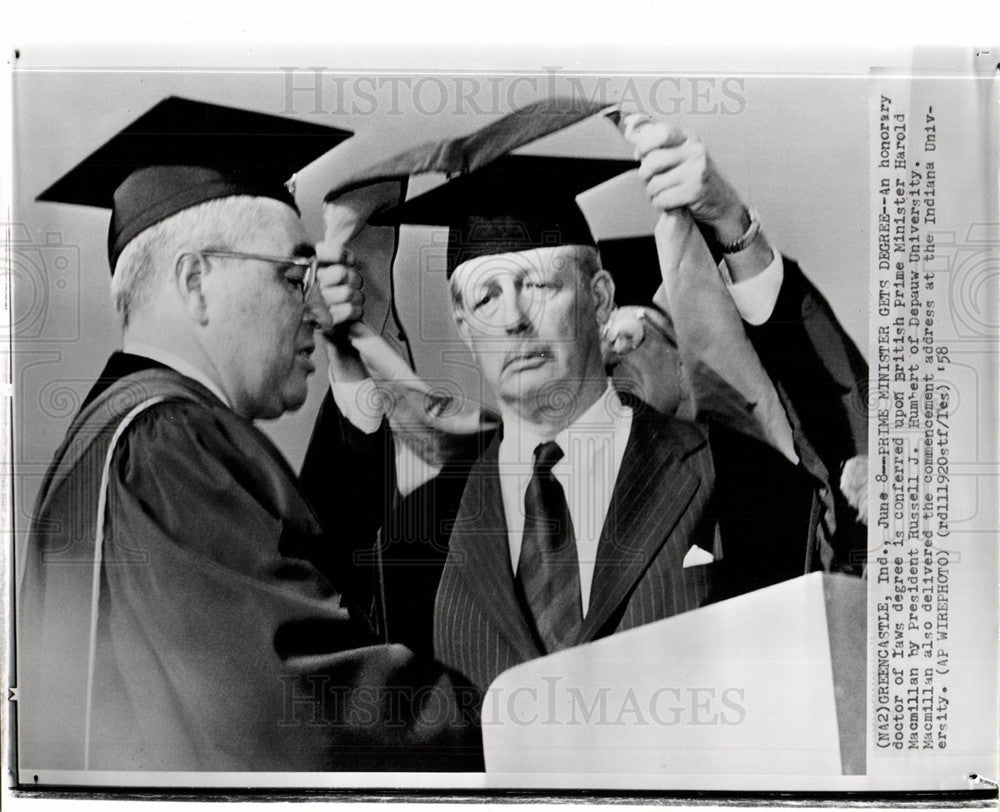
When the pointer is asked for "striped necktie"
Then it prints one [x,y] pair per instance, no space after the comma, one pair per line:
[547,570]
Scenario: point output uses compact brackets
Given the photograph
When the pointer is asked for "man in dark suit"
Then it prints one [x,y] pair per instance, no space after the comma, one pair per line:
[583,517]
[644,521]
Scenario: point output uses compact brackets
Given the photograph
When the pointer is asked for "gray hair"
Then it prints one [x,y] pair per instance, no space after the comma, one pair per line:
[148,259]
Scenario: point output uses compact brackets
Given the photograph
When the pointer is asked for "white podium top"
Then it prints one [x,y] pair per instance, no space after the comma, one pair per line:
[745,686]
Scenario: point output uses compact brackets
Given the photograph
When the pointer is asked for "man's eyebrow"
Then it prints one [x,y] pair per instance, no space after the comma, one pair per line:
[484,284]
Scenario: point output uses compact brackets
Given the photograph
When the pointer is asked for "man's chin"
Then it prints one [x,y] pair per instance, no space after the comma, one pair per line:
[295,401]
[541,390]
[292,399]
[518,384]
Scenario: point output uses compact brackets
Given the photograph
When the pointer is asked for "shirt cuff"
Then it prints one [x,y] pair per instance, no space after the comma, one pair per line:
[756,297]
[356,400]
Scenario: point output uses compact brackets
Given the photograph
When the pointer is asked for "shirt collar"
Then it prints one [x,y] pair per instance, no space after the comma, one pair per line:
[178,364]
[520,439]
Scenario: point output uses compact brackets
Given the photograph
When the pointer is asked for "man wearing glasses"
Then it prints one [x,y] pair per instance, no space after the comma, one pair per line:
[172,613]
[263,373]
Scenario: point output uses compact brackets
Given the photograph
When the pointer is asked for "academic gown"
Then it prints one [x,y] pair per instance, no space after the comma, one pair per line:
[218,644]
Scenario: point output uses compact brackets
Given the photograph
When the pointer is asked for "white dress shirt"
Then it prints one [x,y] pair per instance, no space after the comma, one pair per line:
[593,448]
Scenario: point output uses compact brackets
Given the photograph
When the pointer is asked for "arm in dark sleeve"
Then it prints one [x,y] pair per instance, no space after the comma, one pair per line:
[823,381]
[817,367]
[763,503]
[348,477]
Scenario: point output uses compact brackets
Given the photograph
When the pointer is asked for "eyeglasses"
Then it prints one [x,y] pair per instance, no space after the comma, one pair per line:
[303,285]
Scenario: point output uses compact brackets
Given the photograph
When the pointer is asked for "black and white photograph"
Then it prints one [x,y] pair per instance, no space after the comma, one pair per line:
[419,425]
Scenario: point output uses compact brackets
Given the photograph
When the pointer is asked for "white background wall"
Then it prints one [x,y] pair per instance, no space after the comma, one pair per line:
[796,146]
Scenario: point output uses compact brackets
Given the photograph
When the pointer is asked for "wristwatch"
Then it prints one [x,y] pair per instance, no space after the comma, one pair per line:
[752,230]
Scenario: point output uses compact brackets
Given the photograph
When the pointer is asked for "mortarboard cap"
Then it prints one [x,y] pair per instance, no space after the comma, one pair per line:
[181,153]
[495,201]
[514,203]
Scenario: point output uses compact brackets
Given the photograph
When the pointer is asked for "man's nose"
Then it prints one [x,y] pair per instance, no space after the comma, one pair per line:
[515,315]
[313,309]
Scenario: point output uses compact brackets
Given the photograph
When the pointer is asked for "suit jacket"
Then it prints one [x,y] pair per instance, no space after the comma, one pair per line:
[219,644]
[756,495]
[669,495]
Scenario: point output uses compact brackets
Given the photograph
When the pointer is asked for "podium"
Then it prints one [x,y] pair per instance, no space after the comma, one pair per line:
[768,683]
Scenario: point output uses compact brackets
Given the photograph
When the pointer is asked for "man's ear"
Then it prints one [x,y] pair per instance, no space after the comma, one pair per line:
[602,289]
[189,273]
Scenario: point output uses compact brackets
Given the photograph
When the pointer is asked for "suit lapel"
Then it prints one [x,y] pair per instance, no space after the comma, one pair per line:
[655,485]
[479,551]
